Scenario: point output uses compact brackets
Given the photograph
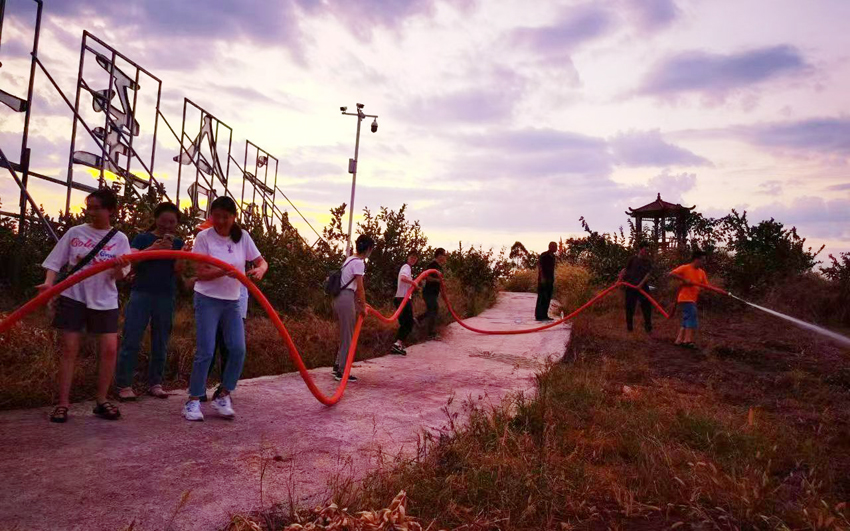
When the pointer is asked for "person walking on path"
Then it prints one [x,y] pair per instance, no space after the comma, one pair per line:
[637,273]
[151,302]
[217,303]
[351,301]
[545,282]
[91,305]
[405,320]
[691,275]
[431,293]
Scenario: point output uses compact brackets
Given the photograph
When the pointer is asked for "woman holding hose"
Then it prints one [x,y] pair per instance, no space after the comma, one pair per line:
[217,303]
[91,305]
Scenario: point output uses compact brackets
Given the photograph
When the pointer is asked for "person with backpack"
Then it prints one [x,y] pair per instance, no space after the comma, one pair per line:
[350,302]
[91,305]
[151,302]
[217,303]
[405,320]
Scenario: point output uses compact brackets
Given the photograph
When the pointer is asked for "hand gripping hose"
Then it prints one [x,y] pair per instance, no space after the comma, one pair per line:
[44,297]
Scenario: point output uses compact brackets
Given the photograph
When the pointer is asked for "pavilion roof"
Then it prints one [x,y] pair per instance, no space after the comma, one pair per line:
[659,208]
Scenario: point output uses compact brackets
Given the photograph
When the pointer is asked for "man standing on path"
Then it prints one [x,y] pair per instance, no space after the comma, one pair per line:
[405,320]
[431,293]
[636,273]
[545,282]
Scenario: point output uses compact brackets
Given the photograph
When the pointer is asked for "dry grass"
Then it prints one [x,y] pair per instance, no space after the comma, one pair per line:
[29,358]
[629,433]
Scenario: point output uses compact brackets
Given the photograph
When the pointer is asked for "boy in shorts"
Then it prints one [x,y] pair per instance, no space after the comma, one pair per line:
[692,276]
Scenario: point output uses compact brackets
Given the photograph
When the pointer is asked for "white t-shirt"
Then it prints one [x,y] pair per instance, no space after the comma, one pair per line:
[403,287]
[98,292]
[352,267]
[236,254]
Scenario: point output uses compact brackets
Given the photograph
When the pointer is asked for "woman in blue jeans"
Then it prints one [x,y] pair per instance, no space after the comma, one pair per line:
[217,304]
[151,301]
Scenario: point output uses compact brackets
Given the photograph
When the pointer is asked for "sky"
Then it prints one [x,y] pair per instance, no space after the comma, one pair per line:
[498,120]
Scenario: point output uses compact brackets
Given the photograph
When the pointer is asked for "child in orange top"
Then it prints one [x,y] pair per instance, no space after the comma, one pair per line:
[692,275]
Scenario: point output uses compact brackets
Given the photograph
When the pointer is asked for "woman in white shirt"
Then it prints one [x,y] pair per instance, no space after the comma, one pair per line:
[351,301]
[217,304]
[91,305]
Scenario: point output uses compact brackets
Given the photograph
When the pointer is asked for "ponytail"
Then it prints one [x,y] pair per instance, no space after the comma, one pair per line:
[235,232]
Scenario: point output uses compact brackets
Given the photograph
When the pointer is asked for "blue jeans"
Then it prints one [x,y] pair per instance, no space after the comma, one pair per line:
[209,314]
[689,315]
[143,308]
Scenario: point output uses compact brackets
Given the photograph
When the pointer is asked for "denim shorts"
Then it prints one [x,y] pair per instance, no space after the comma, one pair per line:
[689,315]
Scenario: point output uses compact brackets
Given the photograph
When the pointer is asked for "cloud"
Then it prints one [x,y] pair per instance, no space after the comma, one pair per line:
[652,15]
[576,26]
[839,187]
[671,186]
[827,136]
[717,75]
[493,98]
[813,216]
[361,17]
[647,148]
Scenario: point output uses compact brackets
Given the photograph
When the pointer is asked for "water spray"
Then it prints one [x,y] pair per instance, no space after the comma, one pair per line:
[838,338]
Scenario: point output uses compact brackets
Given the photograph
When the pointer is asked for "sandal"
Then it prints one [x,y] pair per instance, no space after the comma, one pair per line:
[126,394]
[60,414]
[157,392]
[690,346]
[107,410]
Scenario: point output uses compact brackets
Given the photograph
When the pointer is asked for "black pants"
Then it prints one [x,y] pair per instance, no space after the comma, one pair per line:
[632,298]
[432,309]
[405,320]
[544,298]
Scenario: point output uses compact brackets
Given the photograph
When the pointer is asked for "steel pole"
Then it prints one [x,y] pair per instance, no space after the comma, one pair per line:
[353,184]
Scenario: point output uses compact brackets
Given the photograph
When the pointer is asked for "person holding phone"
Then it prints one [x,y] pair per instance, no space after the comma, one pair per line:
[91,305]
[151,302]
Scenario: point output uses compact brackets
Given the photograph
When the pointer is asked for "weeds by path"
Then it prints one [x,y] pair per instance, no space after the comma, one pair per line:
[752,432]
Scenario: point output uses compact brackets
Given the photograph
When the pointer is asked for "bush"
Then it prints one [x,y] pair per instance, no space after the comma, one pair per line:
[764,254]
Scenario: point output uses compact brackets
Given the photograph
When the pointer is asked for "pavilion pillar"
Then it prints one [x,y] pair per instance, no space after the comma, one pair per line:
[663,234]
[639,228]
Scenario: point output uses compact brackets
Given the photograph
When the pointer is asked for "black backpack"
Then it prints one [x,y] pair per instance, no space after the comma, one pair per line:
[333,284]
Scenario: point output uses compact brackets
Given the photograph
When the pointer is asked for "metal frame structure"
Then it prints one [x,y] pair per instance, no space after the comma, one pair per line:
[203,168]
[112,142]
[120,126]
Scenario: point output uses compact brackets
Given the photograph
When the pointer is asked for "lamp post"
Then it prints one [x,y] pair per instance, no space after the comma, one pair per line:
[352,163]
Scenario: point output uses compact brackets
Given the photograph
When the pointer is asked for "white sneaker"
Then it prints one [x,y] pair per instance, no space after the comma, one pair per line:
[192,410]
[223,406]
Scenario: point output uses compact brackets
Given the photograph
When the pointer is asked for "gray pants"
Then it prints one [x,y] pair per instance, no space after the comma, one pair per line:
[346,313]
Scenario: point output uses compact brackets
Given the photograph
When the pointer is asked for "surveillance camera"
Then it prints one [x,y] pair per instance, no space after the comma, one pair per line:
[343,109]
[360,105]
[375,125]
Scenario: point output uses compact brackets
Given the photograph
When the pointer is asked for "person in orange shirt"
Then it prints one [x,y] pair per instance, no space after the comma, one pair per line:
[692,276]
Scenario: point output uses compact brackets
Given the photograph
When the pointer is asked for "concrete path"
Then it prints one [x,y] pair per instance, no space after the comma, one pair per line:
[90,474]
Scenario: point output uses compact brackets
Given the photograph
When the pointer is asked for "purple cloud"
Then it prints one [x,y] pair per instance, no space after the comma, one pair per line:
[839,187]
[828,136]
[814,216]
[717,75]
[576,26]
[647,148]
[652,15]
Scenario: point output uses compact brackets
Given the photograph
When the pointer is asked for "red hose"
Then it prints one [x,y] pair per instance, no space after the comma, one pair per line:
[44,297]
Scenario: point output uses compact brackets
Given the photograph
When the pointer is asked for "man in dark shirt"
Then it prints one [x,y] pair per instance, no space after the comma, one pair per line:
[545,282]
[637,272]
[431,293]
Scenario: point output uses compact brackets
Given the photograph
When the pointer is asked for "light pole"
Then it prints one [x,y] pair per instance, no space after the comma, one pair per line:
[352,163]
